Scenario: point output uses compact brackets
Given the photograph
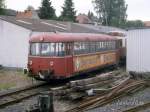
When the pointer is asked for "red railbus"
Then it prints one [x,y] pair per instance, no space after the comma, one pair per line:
[57,56]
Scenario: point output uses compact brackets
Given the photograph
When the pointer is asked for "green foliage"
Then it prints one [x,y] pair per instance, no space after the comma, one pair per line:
[46,10]
[111,12]
[68,13]
[90,15]
[137,23]
[2,6]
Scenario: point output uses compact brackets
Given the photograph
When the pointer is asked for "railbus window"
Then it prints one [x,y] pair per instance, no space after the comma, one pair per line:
[81,48]
[103,46]
[113,45]
[87,47]
[52,49]
[45,49]
[109,45]
[92,47]
[118,44]
[69,48]
[77,48]
[97,46]
[35,49]
[60,49]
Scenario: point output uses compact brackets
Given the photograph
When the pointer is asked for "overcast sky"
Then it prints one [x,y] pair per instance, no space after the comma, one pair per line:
[137,9]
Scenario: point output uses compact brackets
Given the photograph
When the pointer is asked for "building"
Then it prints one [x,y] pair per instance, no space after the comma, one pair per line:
[147,23]
[138,53]
[83,19]
[31,14]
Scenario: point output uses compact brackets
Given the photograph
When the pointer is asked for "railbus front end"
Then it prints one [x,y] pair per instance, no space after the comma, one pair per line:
[48,59]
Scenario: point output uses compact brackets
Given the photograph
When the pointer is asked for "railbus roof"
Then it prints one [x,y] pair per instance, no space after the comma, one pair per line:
[71,37]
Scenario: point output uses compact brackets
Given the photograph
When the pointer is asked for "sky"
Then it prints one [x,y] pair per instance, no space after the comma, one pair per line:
[137,9]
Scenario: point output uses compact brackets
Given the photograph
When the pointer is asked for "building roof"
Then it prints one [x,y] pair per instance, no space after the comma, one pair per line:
[48,25]
[138,28]
[41,25]
[10,12]
[69,37]
[105,29]
[83,19]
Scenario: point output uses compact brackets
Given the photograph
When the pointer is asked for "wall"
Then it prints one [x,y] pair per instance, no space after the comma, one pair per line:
[13,45]
[138,50]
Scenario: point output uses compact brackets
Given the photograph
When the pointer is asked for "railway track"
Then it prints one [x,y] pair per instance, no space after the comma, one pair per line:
[138,108]
[15,96]
[119,91]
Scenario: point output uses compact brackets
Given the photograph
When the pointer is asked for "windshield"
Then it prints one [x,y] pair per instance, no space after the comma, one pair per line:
[35,49]
[47,49]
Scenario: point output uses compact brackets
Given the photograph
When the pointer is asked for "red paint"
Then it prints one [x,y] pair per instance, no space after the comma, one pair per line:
[62,66]
[71,38]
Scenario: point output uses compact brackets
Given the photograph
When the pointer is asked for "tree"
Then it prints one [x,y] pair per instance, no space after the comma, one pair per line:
[30,7]
[46,10]
[111,12]
[68,13]
[133,24]
[90,15]
[2,6]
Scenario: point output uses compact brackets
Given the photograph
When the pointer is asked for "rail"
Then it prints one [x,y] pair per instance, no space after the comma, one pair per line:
[14,96]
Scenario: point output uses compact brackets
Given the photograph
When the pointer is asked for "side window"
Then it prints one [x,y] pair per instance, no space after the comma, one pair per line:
[102,45]
[92,47]
[68,48]
[57,49]
[87,47]
[77,48]
[97,46]
[113,45]
[52,49]
[61,49]
[83,48]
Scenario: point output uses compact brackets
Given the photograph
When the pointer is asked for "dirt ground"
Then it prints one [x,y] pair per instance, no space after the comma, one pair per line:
[14,79]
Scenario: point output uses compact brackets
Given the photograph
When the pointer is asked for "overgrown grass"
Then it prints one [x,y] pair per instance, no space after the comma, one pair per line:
[7,86]
[10,78]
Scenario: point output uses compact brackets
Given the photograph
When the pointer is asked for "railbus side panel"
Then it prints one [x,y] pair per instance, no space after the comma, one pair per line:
[86,62]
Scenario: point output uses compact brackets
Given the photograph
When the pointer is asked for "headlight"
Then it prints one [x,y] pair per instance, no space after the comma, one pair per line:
[30,62]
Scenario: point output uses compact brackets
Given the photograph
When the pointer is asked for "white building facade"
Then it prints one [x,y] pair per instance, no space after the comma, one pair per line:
[138,50]
[14,44]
